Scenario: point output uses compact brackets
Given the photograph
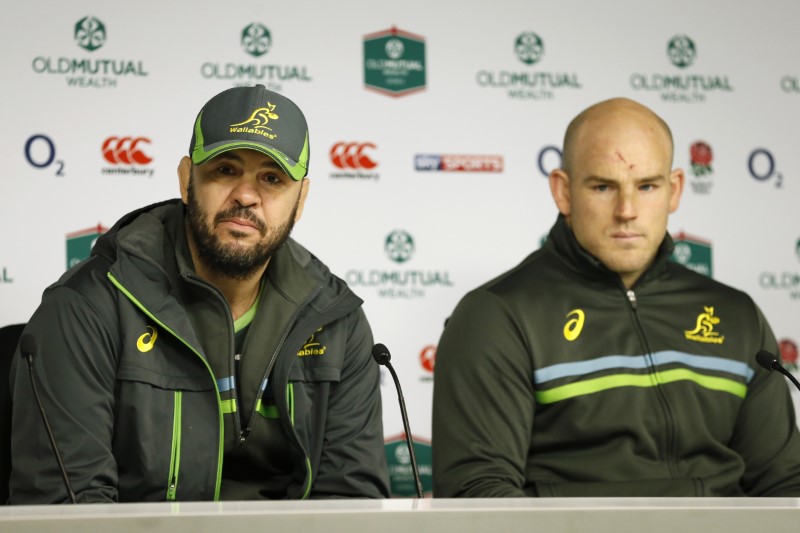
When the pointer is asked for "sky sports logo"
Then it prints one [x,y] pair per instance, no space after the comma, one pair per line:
[458,163]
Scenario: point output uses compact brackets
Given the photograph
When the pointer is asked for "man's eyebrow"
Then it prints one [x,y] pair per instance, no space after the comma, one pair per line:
[603,179]
[232,156]
[225,156]
[271,163]
[651,179]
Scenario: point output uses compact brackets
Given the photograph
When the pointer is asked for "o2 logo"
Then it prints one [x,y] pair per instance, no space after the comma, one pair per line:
[40,151]
[761,164]
[549,159]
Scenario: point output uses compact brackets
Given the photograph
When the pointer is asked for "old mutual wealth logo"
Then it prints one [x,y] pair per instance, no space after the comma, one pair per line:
[90,33]
[92,72]
[394,62]
[681,51]
[783,281]
[399,282]
[256,39]
[681,87]
[529,48]
[399,246]
[693,253]
[524,83]
[398,459]
[80,243]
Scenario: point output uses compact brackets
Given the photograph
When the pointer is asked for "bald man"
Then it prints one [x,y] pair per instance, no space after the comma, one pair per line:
[597,367]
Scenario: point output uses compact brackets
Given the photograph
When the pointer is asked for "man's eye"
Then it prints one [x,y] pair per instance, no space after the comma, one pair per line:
[272,179]
[226,170]
[601,188]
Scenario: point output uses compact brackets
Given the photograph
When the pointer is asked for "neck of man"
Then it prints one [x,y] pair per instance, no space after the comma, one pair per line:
[629,279]
[240,294]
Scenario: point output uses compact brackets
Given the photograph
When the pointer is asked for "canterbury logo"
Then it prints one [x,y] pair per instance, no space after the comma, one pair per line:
[147,340]
[312,347]
[704,328]
[126,150]
[574,326]
[351,155]
[259,118]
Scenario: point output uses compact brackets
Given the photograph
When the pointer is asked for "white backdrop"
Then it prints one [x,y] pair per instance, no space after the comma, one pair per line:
[740,95]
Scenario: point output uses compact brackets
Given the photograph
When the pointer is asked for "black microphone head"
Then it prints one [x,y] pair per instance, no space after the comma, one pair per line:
[766,359]
[27,345]
[381,354]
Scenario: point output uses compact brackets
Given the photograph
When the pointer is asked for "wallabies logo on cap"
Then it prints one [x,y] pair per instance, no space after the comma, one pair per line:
[257,123]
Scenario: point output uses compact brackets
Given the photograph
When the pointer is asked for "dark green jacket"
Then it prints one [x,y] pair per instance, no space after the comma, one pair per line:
[124,345]
[554,380]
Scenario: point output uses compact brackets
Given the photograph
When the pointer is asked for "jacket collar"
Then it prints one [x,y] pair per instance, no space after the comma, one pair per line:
[561,239]
[156,235]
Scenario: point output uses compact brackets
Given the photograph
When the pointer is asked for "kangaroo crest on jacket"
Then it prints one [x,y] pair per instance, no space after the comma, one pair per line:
[704,328]
[312,346]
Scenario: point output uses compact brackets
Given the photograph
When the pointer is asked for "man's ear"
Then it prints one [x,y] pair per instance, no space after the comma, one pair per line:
[184,174]
[559,188]
[676,182]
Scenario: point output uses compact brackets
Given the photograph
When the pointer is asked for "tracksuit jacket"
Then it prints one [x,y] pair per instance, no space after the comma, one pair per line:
[127,344]
[555,380]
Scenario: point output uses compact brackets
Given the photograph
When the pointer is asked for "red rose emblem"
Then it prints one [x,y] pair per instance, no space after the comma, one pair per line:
[788,351]
[701,154]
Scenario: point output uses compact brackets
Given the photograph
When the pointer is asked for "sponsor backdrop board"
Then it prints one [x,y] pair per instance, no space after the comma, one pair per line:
[433,125]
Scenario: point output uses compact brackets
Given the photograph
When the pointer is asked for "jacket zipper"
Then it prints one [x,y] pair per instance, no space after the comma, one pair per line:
[632,298]
[175,458]
[246,431]
[289,396]
[220,443]
[670,421]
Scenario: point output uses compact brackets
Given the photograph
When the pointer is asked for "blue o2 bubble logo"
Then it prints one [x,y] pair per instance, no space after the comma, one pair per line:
[549,159]
[40,151]
[761,165]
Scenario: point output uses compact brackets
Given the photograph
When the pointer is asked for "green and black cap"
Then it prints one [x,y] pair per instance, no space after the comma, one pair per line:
[254,118]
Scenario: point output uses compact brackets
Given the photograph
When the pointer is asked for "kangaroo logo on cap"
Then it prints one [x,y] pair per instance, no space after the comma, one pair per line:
[257,122]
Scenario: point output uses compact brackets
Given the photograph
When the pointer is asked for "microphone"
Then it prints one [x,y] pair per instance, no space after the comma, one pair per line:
[381,355]
[27,349]
[770,362]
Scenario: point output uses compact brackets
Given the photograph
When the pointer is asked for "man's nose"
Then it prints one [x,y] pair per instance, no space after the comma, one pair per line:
[626,205]
[245,193]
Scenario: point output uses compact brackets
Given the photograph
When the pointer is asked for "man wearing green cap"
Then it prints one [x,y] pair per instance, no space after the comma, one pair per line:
[200,353]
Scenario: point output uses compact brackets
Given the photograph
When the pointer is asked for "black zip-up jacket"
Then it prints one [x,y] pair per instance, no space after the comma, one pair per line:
[555,380]
[126,346]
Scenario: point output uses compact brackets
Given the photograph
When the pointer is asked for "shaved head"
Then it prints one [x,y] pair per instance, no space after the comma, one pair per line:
[600,115]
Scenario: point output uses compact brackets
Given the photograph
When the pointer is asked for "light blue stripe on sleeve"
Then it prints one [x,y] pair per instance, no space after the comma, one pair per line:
[264,385]
[226,384]
[581,368]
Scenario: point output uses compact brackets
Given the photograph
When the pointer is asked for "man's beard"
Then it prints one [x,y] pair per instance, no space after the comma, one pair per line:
[232,261]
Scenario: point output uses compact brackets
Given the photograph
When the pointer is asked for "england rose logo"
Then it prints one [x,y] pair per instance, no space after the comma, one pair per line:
[701,157]
[788,354]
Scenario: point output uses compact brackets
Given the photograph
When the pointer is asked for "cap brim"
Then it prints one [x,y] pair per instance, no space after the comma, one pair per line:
[297,170]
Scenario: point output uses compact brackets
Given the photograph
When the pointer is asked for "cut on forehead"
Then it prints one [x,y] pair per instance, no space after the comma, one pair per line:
[607,112]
